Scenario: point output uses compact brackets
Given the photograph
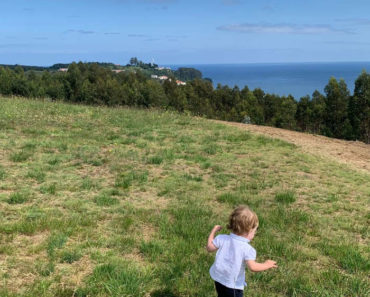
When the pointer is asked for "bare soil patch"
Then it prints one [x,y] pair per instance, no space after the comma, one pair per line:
[353,153]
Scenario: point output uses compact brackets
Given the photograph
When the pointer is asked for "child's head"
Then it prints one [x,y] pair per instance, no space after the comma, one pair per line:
[242,220]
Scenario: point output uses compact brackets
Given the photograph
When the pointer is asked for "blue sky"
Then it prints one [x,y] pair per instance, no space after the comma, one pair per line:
[44,32]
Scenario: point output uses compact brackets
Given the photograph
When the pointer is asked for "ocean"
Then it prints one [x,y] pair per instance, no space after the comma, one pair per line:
[297,79]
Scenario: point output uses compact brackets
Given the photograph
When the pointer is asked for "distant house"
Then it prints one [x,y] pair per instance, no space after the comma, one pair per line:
[117,70]
[180,83]
[163,68]
[165,77]
[63,69]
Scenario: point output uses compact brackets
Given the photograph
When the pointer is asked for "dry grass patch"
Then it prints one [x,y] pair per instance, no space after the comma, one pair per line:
[29,244]
[148,200]
[137,258]
[72,275]
[146,232]
[97,172]
[18,273]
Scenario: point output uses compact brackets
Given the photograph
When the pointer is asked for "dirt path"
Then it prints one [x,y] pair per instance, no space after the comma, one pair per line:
[353,153]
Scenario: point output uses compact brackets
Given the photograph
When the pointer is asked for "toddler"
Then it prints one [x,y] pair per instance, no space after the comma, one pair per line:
[234,253]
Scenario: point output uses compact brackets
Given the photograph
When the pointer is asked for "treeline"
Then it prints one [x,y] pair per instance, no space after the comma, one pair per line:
[187,74]
[137,63]
[182,73]
[335,113]
[55,67]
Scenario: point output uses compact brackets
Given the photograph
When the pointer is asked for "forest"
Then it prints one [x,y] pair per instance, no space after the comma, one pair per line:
[336,113]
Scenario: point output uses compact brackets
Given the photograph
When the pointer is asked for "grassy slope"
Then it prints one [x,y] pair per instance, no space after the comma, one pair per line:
[119,202]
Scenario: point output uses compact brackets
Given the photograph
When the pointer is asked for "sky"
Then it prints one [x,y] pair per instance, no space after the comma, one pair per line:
[45,32]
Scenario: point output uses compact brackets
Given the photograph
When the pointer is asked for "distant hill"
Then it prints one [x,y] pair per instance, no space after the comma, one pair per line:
[182,73]
[56,66]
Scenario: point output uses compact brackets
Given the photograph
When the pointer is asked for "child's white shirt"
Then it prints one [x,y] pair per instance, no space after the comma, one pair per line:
[229,266]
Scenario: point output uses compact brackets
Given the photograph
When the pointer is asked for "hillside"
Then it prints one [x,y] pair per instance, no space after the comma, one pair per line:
[98,201]
[149,70]
[355,154]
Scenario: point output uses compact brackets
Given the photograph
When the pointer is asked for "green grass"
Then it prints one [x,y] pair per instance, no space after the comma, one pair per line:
[70,256]
[132,177]
[56,241]
[18,198]
[48,189]
[2,173]
[285,197]
[37,174]
[155,160]
[20,156]
[105,199]
[98,201]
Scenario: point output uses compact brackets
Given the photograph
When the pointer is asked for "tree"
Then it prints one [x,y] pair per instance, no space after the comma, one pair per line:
[176,97]
[304,113]
[318,108]
[270,104]
[6,81]
[199,97]
[19,83]
[188,73]
[249,107]
[154,94]
[336,109]
[75,80]
[88,92]
[359,108]
[134,61]
[285,113]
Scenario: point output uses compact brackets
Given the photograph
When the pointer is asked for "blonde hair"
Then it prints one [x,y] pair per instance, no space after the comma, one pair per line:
[242,220]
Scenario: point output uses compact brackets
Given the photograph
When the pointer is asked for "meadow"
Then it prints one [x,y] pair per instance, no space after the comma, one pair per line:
[98,201]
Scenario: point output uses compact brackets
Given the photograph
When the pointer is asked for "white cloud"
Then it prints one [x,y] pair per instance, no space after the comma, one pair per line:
[138,35]
[80,31]
[282,29]
[355,21]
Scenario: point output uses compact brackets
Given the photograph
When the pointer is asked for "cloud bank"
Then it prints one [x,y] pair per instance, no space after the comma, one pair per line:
[80,31]
[282,29]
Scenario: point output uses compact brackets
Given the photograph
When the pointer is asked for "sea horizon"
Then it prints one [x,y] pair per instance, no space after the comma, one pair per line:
[282,78]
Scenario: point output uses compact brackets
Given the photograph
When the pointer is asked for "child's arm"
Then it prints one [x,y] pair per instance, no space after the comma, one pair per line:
[210,246]
[256,267]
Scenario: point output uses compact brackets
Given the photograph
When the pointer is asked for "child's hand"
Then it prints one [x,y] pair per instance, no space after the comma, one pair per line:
[217,228]
[210,245]
[270,264]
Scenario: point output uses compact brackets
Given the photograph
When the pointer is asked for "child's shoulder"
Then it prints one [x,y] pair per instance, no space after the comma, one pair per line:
[223,236]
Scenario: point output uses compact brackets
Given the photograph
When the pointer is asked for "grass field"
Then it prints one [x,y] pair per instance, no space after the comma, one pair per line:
[119,202]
